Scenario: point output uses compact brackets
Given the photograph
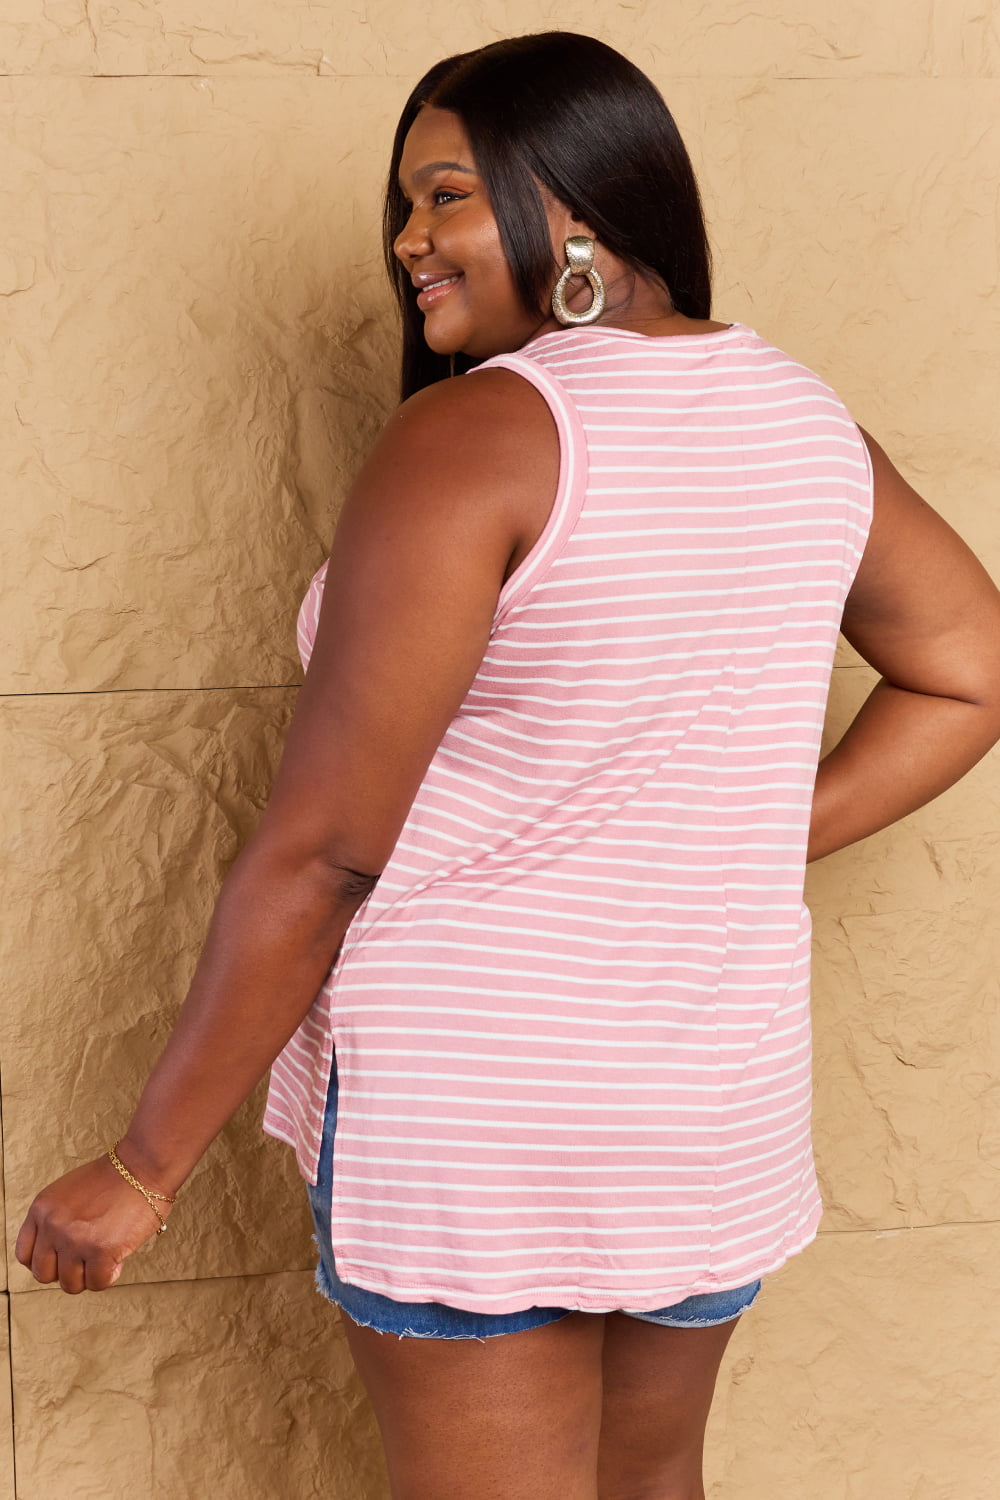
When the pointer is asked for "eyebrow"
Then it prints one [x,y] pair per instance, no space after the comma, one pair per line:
[440,166]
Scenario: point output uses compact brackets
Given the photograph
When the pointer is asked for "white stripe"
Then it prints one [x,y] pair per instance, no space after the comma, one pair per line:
[722,489]
[478,1102]
[647,1129]
[777,588]
[745,408]
[782,443]
[743,550]
[835,417]
[566,1169]
[714,468]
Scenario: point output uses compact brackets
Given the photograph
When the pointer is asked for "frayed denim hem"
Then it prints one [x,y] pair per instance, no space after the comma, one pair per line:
[326,1289]
[666,1322]
[329,1290]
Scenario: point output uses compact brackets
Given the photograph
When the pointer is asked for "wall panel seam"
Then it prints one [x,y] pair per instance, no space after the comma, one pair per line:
[174,1281]
[876,1233]
[10,1377]
[230,687]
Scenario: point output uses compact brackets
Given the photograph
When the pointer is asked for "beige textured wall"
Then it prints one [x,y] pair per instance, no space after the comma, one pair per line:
[197,351]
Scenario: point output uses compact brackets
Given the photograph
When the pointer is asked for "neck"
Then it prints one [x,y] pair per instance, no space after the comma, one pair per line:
[632,302]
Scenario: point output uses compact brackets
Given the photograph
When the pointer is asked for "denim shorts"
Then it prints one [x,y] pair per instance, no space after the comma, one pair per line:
[435,1320]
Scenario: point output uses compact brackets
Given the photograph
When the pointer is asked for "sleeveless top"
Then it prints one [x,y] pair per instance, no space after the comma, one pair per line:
[571,1021]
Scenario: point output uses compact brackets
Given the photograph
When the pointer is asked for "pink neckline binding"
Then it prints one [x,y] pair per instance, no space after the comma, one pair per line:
[609,331]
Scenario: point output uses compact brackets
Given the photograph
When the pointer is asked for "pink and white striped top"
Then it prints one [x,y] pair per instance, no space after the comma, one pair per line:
[572,1022]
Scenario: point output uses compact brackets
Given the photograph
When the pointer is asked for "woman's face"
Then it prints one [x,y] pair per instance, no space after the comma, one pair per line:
[451,238]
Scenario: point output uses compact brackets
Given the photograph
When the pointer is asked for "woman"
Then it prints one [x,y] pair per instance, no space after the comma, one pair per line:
[523,915]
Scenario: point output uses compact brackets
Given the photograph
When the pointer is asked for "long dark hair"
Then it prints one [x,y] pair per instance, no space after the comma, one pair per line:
[595,130]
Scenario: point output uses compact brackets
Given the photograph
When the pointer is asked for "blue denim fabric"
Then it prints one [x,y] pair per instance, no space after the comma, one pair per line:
[435,1320]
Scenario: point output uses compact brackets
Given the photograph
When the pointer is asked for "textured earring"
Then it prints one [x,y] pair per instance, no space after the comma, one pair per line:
[579,262]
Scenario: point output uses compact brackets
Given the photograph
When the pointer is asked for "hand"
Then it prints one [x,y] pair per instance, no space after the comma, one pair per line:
[81,1227]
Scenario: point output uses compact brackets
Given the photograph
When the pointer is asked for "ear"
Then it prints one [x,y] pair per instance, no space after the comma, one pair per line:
[573,224]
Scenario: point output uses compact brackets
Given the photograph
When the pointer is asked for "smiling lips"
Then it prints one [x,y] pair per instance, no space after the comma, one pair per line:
[435,291]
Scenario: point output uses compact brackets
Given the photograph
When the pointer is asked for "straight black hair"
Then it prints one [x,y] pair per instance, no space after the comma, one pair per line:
[589,124]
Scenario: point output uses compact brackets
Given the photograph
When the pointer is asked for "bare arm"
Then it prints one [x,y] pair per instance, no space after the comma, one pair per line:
[424,542]
[926,615]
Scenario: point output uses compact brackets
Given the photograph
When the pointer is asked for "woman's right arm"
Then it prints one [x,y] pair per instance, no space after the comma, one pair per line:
[425,539]
[925,614]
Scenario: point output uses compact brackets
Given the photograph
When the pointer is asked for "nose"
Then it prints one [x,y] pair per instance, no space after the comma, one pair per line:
[413,239]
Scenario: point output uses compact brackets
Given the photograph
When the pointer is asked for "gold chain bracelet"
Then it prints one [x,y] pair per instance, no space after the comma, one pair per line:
[147,1193]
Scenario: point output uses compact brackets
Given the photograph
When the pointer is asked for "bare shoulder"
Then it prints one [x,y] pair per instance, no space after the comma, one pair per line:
[890,486]
[920,597]
[493,393]
[480,451]
[487,416]
[908,539]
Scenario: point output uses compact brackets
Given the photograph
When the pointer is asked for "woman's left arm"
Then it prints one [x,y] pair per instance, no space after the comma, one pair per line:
[925,613]
[420,554]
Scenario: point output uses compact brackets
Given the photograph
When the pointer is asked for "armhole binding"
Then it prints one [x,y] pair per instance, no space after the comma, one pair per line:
[571,486]
[860,550]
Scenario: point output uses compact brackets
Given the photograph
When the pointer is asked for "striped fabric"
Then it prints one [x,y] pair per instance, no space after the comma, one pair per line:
[572,1021]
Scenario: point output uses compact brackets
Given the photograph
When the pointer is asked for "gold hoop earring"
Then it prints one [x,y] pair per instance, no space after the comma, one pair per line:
[579,262]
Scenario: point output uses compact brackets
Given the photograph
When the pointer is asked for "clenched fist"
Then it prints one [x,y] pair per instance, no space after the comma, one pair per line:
[81,1227]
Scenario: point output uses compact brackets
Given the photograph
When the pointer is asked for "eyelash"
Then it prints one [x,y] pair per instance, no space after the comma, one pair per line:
[437,193]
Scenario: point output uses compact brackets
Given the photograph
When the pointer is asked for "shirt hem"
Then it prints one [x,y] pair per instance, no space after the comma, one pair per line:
[309,1172]
[573,1298]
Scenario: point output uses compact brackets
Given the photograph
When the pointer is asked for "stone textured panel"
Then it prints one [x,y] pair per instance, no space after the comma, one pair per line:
[6,1411]
[238,1389]
[906,962]
[305,38]
[46,39]
[866,1368]
[197,351]
[125,811]
[966,38]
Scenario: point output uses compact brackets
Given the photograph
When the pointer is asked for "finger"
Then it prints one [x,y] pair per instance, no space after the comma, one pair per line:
[24,1245]
[71,1273]
[100,1272]
[44,1262]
